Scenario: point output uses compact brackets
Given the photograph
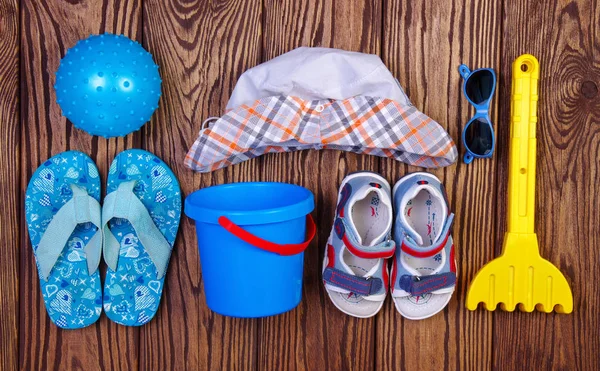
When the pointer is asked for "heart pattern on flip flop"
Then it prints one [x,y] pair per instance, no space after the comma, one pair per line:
[72,173]
[116,290]
[76,256]
[121,308]
[129,252]
[83,312]
[142,298]
[140,265]
[160,178]
[129,245]
[133,170]
[45,200]
[64,270]
[160,197]
[63,302]
[62,321]
[51,290]
[88,294]
[143,318]
[140,188]
[45,181]
[92,171]
[66,191]
[154,286]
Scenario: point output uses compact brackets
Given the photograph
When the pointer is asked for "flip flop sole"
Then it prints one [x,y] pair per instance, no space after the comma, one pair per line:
[72,297]
[132,293]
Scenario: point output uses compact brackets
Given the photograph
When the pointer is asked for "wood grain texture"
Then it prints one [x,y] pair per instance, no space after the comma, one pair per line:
[48,29]
[202,48]
[565,38]
[317,335]
[9,184]
[424,43]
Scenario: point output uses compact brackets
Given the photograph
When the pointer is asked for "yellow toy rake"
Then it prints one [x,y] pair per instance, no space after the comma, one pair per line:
[520,276]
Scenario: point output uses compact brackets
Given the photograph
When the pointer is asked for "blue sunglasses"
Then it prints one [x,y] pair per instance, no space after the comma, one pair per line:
[478,135]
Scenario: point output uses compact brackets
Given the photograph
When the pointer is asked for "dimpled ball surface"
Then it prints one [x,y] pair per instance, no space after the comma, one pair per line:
[108,85]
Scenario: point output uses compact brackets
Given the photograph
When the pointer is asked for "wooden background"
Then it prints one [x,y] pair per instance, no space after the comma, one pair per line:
[202,48]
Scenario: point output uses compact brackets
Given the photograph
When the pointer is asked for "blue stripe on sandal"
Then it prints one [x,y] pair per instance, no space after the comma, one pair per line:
[141,216]
[63,219]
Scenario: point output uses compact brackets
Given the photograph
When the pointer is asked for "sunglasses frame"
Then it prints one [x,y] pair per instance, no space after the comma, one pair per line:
[481,111]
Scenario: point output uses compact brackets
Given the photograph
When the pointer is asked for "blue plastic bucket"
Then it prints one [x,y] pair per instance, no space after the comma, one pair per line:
[251,238]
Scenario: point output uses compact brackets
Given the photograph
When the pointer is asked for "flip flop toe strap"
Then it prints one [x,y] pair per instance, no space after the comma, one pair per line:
[123,203]
[82,208]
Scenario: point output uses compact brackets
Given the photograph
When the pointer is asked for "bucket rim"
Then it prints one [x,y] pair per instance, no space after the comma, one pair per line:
[204,214]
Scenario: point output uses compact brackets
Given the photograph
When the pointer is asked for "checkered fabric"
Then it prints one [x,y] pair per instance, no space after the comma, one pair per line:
[361,124]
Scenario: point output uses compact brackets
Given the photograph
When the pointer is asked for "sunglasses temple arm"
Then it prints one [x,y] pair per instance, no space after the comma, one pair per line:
[464,71]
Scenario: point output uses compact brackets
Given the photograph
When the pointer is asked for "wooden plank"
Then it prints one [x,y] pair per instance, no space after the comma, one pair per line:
[48,29]
[9,183]
[565,39]
[202,49]
[317,335]
[424,43]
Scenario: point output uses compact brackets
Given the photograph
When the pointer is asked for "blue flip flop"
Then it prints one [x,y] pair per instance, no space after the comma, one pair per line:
[140,218]
[64,218]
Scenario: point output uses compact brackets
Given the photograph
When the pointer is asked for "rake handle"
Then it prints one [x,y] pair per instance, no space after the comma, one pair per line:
[521,176]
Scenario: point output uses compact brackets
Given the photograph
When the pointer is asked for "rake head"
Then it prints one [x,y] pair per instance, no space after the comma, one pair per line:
[520,276]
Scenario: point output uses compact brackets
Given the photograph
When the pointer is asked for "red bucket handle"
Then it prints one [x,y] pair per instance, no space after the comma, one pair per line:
[285,249]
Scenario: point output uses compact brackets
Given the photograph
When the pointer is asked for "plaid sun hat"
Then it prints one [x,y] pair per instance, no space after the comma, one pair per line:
[316,98]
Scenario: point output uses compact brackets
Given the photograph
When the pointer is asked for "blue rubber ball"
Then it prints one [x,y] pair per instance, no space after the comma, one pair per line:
[108,85]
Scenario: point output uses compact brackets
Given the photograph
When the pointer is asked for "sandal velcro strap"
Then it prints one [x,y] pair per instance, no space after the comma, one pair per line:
[412,248]
[421,285]
[358,285]
[384,249]
[82,208]
[124,204]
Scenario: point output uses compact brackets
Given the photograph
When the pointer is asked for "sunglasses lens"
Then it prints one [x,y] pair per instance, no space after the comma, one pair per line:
[479,86]
[478,137]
